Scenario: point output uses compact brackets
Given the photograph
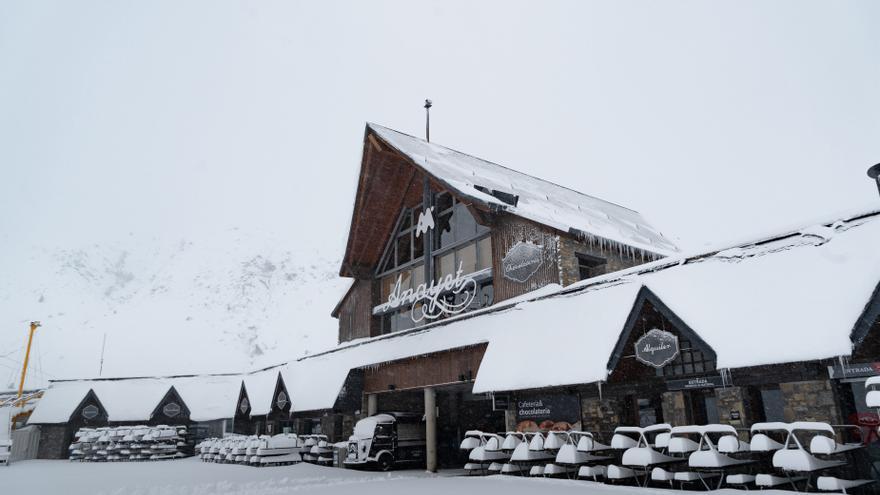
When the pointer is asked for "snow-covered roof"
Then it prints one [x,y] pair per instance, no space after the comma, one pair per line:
[208,397]
[794,298]
[260,387]
[538,200]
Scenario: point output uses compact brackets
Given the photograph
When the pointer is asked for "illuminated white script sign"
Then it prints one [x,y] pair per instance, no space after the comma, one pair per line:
[433,297]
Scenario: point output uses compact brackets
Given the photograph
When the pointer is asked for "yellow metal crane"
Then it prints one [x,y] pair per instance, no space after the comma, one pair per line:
[21,400]
[27,356]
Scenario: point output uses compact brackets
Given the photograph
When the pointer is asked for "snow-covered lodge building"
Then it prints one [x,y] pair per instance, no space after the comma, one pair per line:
[489,299]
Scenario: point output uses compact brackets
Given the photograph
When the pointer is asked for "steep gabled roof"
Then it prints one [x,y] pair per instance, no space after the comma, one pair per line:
[528,197]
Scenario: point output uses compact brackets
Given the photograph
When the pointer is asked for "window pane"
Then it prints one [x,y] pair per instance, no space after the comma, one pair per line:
[442,202]
[484,253]
[387,284]
[467,257]
[443,230]
[445,265]
[487,295]
[407,220]
[463,224]
[405,280]
[418,246]
[389,262]
[403,254]
[404,320]
[418,275]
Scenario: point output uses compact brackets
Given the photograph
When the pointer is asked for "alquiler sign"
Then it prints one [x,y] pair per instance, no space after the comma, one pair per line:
[657,348]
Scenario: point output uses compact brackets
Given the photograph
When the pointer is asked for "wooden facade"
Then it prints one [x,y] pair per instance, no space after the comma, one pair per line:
[442,368]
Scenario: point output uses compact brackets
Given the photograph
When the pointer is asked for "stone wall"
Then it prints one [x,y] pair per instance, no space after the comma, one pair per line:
[810,401]
[674,408]
[54,441]
[600,416]
[735,408]
[568,262]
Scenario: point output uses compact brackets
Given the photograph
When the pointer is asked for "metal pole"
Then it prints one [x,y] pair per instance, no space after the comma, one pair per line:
[27,356]
[431,430]
[874,173]
[101,366]
[428,104]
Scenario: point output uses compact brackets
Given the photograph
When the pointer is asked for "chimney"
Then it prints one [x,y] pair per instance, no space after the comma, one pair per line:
[874,173]
[428,104]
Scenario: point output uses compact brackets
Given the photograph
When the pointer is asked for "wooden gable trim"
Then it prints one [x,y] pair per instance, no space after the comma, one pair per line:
[646,295]
[171,396]
[91,396]
[280,387]
[866,320]
[374,148]
[242,394]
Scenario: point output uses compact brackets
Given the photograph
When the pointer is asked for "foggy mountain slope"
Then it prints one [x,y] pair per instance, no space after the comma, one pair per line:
[226,302]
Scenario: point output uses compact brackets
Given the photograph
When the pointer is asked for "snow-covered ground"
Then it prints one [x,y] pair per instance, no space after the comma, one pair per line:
[191,477]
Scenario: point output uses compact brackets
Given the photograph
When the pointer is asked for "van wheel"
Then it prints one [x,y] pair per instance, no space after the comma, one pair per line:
[385,462]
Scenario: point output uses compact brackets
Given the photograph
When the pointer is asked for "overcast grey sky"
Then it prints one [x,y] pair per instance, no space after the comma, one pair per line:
[716,120]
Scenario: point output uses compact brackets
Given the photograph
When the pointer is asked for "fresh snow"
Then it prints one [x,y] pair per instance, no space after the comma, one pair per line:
[219,302]
[192,477]
[791,299]
[207,397]
[539,200]
[786,300]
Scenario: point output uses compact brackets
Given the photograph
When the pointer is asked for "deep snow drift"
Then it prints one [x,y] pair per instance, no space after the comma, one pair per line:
[190,477]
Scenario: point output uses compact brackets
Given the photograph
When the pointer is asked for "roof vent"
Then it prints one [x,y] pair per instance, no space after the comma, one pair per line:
[874,173]
[511,199]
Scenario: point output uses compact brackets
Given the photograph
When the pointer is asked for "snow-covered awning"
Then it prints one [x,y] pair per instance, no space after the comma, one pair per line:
[536,199]
[792,298]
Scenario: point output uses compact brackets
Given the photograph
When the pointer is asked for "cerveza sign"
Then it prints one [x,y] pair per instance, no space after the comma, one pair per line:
[433,297]
[713,381]
[850,370]
[522,261]
[657,348]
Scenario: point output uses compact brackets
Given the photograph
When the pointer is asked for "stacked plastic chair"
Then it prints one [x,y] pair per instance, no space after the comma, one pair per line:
[126,443]
[486,454]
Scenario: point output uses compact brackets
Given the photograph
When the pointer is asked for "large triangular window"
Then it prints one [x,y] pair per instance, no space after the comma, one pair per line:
[451,237]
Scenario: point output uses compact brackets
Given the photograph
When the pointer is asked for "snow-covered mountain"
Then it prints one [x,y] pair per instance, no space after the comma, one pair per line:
[225,302]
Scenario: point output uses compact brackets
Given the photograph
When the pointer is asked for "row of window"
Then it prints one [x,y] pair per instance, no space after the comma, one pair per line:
[471,257]
[453,224]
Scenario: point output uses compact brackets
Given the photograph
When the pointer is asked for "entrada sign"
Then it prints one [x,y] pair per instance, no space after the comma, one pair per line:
[713,381]
[657,348]
[522,261]
[432,297]
[853,370]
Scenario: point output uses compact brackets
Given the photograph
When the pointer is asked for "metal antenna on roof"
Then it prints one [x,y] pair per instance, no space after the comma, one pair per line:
[428,104]
[874,173]
[103,346]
